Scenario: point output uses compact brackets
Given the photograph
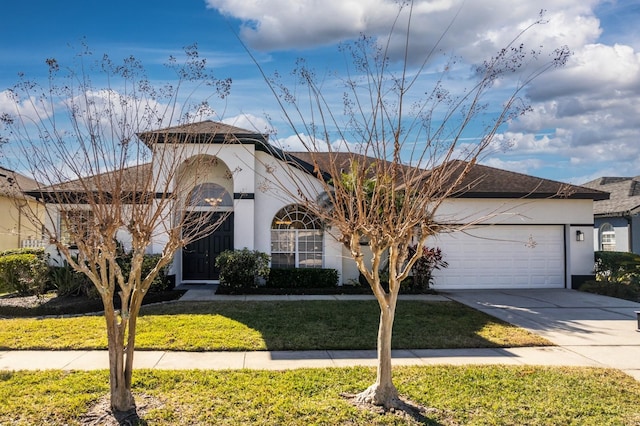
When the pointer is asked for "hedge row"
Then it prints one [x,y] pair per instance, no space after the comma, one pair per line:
[617,275]
[27,272]
[302,278]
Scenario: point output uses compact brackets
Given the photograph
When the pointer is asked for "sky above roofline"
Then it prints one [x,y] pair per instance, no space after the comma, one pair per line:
[583,122]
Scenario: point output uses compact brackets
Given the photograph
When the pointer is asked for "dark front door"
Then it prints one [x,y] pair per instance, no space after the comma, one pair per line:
[199,257]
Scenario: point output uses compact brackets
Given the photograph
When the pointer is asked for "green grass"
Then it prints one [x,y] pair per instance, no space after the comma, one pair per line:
[239,326]
[460,395]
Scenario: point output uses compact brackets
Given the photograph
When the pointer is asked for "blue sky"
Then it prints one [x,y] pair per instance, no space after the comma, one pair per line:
[585,116]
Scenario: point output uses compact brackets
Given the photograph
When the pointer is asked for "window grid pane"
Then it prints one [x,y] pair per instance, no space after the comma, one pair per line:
[608,241]
[296,239]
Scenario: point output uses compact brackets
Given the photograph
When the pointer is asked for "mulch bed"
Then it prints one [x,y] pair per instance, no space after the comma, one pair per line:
[12,305]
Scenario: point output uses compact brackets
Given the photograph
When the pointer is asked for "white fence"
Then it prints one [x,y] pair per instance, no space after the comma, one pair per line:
[33,243]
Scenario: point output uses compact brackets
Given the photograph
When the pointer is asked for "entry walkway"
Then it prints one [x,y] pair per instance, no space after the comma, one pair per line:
[589,330]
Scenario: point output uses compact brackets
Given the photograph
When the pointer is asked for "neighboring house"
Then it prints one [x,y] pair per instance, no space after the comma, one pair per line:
[527,232]
[16,230]
[617,220]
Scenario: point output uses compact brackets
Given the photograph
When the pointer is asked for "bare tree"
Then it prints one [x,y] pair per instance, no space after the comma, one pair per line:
[109,177]
[401,151]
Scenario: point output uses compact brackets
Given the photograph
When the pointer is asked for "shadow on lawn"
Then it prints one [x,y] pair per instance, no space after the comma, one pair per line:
[348,325]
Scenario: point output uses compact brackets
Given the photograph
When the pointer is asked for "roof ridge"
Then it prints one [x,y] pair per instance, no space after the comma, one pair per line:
[606,180]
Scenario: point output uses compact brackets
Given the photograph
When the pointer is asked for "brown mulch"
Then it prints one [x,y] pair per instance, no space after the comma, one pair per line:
[25,301]
[13,305]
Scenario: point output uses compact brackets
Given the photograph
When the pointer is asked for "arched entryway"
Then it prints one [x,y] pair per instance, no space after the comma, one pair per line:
[210,198]
[198,257]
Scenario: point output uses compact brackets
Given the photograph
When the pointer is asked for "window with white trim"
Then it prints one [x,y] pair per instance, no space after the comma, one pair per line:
[75,224]
[607,237]
[296,239]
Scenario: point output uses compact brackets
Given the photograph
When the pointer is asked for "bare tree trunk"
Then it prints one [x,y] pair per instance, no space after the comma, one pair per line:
[120,386]
[383,392]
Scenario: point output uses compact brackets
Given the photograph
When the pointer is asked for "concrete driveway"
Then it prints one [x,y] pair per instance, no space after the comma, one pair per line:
[600,328]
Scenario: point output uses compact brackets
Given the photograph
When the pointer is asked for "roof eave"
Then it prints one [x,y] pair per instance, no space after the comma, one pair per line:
[530,195]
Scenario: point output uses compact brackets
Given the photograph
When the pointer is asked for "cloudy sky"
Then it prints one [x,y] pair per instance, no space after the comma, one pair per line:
[585,118]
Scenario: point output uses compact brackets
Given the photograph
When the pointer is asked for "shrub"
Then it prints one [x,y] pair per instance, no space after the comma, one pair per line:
[68,282]
[24,273]
[160,283]
[617,275]
[422,271]
[242,268]
[431,260]
[616,265]
[621,290]
[302,278]
[36,251]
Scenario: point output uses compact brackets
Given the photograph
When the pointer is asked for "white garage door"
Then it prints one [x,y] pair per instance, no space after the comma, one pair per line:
[502,256]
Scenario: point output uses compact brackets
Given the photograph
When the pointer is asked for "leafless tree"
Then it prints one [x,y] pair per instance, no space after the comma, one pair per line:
[401,151]
[109,177]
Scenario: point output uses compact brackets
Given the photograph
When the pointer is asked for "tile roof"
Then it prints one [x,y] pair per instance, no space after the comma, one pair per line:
[624,199]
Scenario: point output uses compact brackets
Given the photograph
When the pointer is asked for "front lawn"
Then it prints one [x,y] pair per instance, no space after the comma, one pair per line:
[309,325]
[454,395]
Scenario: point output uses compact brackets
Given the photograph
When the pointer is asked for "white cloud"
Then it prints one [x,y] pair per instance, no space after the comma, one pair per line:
[27,109]
[527,166]
[250,122]
[592,106]
[584,115]
[477,29]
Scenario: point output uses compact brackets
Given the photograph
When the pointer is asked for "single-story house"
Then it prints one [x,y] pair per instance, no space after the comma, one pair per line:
[617,219]
[527,232]
[16,230]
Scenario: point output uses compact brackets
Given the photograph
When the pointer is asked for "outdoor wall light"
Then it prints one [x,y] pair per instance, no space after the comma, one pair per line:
[579,235]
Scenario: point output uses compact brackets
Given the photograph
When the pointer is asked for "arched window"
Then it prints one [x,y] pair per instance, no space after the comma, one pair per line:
[296,239]
[210,194]
[607,237]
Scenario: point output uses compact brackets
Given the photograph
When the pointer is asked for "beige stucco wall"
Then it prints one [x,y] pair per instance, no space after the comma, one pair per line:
[15,225]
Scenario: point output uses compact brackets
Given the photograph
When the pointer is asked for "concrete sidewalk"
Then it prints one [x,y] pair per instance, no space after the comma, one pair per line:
[283,360]
[589,330]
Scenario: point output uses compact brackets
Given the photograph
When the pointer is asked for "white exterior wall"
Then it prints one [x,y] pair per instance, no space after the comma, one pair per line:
[505,211]
[573,214]
[253,216]
[570,215]
[580,253]
[270,198]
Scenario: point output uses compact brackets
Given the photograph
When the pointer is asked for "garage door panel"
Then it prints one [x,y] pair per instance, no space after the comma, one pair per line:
[502,257]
